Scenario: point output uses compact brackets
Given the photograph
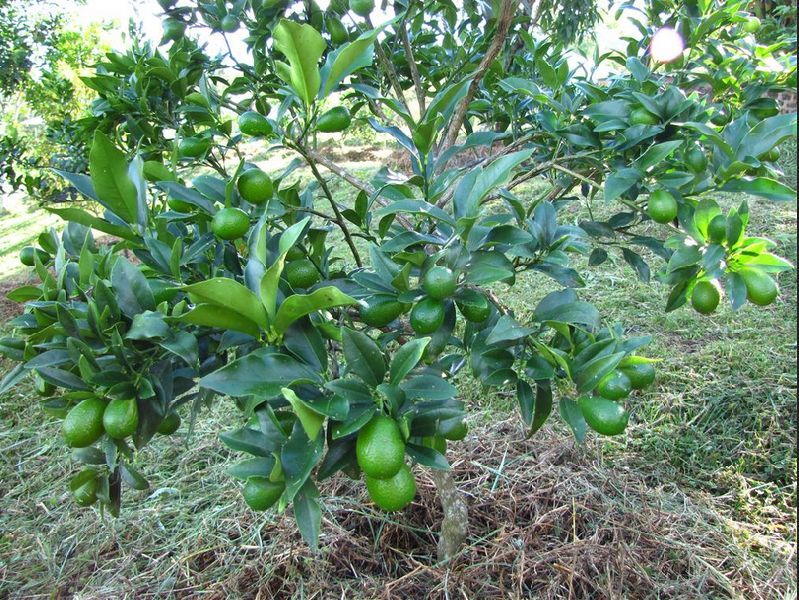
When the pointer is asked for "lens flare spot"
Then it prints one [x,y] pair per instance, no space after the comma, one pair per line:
[666,45]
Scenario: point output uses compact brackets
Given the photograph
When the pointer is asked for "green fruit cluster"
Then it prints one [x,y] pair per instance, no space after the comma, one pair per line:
[380,453]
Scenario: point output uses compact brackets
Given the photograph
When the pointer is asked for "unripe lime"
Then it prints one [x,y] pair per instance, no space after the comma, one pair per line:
[83,424]
[229,24]
[394,493]
[379,313]
[261,494]
[27,253]
[439,282]
[86,495]
[253,123]
[641,116]
[602,415]
[761,289]
[456,432]
[179,205]
[379,448]
[334,120]
[705,297]
[338,33]
[641,375]
[230,223]
[362,8]
[255,186]
[301,273]
[169,424]
[752,25]
[717,229]
[614,386]
[473,305]
[173,29]
[193,147]
[662,207]
[121,418]
[696,160]
[427,316]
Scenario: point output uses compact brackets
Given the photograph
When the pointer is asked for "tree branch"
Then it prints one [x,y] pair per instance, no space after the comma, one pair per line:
[417,82]
[506,13]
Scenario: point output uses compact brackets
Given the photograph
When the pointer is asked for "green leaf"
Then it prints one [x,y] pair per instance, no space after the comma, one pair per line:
[488,267]
[308,513]
[428,387]
[428,457]
[252,467]
[213,315]
[655,154]
[589,375]
[363,357]
[25,293]
[761,186]
[251,441]
[298,458]
[80,216]
[303,46]
[620,181]
[347,59]
[311,420]
[466,203]
[571,413]
[535,408]
[507,329]
[262,373]
[230,294]
[406,359]
[297,305]
[108,169]
[133,294]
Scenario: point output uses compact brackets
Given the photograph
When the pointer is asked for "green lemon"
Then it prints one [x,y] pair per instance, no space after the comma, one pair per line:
[261,494]
[229,24]
[379,448]
[193,147]
[86,495]
[27,253]
[717,229]
[662,207]
[752,25]
[439,282]
[362,8]
[338,33]
[380,312]
[255,186]
[121,418]
[473,305]
[641,116]
[334,120]
[761,289]
[614,386]
[720,118]
[696,160]
[602,415]
[705,297]
[83,424]
[641,375]
[253,123]
[173,29]
[427,316]
[394,493]
[230,223]
[169,424]
[301,273]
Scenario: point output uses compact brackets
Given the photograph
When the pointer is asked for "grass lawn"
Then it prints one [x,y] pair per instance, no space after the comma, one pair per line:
[697,500]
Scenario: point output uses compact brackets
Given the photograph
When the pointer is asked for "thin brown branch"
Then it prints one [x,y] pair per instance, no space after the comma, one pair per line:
[506,12]
[417,82]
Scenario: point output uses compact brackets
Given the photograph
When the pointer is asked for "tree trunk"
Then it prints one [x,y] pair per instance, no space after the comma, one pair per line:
[456,517]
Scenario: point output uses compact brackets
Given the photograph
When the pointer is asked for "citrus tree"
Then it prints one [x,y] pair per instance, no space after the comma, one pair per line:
[338,312]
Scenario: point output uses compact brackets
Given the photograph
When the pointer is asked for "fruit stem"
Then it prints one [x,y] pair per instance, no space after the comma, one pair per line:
[455,523]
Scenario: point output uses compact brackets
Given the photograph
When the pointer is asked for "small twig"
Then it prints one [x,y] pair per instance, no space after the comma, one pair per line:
[417,82]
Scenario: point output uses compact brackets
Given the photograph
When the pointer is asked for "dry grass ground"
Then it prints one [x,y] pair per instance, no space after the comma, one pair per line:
[698,500]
